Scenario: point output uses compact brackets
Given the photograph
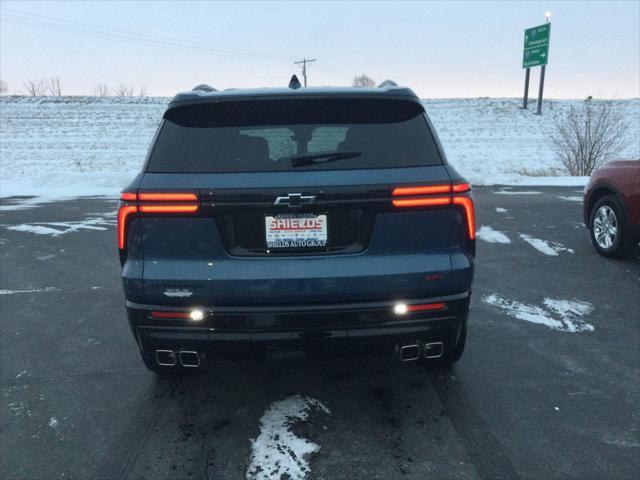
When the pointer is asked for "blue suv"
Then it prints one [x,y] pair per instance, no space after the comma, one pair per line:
[296,219]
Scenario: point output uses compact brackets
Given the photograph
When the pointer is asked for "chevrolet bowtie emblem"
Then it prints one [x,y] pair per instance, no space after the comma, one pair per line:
[295,200]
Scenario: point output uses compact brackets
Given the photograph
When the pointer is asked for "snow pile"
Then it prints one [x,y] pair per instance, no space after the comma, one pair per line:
[277,452]
[78,146]
[570,313]
[490,235]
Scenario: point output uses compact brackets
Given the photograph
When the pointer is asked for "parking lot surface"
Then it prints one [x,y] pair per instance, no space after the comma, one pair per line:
[548,386]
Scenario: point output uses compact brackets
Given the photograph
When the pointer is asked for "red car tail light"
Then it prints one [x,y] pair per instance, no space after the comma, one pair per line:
[168,208]
[131,203]
[469,210]
[427,190]
[168,197]
[431,196]
[421,202]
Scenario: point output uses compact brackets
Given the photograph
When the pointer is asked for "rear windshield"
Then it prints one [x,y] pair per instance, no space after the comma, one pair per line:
[300,134]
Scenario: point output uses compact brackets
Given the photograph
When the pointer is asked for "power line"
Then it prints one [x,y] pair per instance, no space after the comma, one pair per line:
[304,62]
[127,36]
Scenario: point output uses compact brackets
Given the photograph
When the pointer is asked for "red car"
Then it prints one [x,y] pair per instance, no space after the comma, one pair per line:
[612,208]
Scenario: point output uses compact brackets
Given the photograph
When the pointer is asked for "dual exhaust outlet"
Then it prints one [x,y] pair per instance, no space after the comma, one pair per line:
[414,351]
[184,358]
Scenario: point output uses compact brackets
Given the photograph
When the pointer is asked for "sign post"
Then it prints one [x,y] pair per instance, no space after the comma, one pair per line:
[536,53]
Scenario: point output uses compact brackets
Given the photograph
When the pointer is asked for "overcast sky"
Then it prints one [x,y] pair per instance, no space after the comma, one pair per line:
[453,49]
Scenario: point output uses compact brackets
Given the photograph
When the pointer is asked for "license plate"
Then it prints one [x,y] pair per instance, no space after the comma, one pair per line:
[296,231]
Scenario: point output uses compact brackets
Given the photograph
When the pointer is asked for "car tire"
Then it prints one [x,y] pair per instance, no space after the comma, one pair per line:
[608,228]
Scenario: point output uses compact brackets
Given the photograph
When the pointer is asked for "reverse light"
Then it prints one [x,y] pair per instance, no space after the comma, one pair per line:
[403,308]
[196,315]
[400,308]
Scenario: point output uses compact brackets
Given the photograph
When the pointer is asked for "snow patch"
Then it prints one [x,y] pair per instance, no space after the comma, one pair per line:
[571,198]
[561,315]
[277,452]
[56,229]
[545,246]
[490,235]
[517,192]
[53,422]
[501,210]
[33,290]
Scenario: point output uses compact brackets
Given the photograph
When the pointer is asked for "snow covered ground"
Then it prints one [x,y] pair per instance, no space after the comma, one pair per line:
[74,146]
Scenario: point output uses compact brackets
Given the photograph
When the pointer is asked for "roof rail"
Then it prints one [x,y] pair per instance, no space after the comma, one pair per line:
[388,83]
[203,87]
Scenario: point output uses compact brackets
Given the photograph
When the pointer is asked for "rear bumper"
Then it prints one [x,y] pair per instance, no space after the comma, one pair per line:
[240,332]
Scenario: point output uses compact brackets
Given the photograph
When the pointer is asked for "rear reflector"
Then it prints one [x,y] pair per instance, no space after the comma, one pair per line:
[157,314]
[424,307]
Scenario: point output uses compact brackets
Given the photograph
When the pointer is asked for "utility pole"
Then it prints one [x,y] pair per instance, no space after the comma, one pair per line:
[304,62]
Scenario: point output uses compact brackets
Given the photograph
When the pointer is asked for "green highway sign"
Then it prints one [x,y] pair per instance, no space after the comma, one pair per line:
[536,46]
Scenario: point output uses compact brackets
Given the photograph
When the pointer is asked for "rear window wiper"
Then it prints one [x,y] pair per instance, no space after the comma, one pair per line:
[314,158]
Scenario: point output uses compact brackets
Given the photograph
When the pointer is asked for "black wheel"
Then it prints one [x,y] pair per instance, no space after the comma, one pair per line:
[609,231]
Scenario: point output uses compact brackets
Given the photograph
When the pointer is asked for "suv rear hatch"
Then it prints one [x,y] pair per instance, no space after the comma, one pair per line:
[297,201]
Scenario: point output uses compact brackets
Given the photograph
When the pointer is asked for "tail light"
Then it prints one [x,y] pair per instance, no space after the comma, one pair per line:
[438,195]
[152,203]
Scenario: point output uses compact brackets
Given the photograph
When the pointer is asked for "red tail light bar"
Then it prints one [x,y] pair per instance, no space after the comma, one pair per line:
[432,196]
[159,203]
[425,307]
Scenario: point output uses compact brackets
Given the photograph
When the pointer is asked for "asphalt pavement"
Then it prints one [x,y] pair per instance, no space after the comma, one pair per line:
[549,386]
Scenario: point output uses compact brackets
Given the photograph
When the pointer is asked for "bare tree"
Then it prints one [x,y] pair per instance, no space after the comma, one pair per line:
[54,87]
[35,88]
[124,90]
[3,87]
[363,81]
[101,90]
[588,136]
[142,92]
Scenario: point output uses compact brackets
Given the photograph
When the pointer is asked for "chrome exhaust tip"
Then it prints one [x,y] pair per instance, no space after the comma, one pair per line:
[409,353]
[166,358]
[433,350]
[189,359]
